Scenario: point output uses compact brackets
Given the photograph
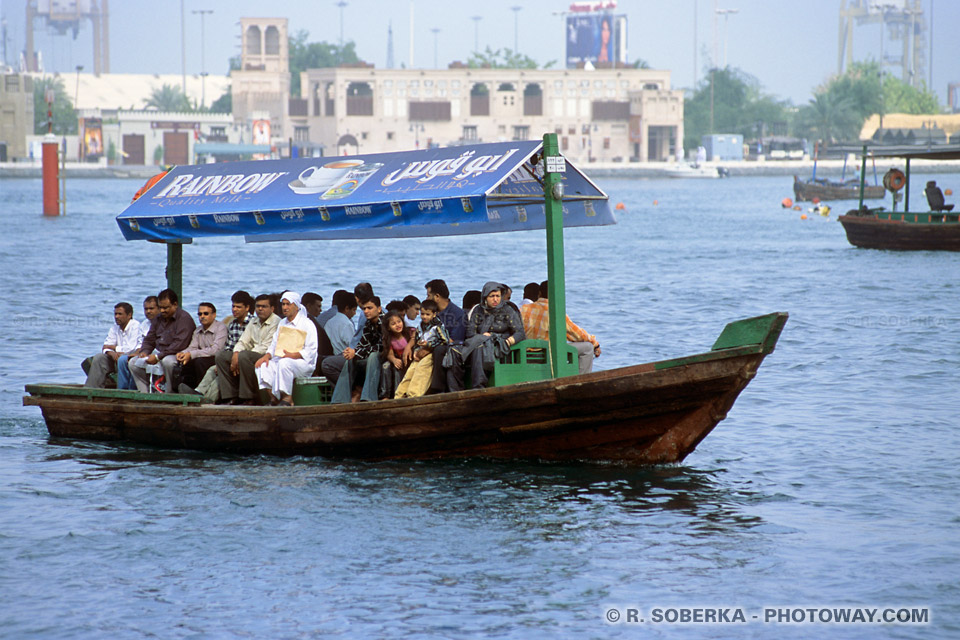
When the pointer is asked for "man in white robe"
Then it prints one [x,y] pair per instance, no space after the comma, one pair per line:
[296,355]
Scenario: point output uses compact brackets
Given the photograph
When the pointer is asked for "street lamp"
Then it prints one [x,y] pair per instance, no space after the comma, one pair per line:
[76,95]
[416,128]
[341,4]
[726,14]
[516,31]
[476,32]
[203,63]
[435,30]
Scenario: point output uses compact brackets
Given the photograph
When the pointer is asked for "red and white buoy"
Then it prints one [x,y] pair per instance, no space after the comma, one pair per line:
[51,164]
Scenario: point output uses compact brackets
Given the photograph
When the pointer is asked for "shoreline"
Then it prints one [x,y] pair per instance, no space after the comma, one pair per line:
[802,168]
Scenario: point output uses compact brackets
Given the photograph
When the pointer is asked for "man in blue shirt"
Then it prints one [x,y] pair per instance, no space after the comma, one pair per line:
[452,318]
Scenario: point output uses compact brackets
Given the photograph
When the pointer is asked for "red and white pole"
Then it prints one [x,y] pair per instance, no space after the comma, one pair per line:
[51,165]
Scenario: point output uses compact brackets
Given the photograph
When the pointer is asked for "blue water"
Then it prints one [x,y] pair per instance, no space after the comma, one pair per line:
[833,482]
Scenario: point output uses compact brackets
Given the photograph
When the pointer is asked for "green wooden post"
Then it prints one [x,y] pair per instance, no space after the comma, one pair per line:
[175,268]
[556,286]
[906,195]
[863,174]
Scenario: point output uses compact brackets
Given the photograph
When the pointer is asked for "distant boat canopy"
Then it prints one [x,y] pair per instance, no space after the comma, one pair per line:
[466,190]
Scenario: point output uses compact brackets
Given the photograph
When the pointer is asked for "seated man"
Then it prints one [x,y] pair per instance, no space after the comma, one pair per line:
[453,320]
[347,368]
[494,327]
[236,376]
[241,307]
[536,324]
[151,311]
[200,354]
[292,353]
[122,339]
[168,336]
[314,304]
[339,327]
[935,198]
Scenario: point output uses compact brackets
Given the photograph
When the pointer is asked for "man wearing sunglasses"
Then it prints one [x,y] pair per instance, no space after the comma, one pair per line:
[208,338]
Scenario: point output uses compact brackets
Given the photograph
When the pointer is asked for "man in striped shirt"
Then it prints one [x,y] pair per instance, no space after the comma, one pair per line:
[536,324]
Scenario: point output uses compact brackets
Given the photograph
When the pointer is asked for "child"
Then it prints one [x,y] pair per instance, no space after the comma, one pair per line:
[430,334]
[396,340]
[412,310]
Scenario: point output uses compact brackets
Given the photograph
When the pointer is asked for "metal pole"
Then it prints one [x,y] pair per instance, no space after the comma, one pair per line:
[476,32]
[863,174]
[203,60]
[183,48]
[556,281]
[516,29]
[436,31]
[175,268]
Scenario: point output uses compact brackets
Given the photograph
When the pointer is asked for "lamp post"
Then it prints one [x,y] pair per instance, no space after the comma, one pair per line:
[203,63]
[435,31]
[516,28]
[341,4]
[476,32]
[76,94]
[726,14]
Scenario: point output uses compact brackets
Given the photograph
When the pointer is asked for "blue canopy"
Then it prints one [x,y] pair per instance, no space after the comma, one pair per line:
[431,192]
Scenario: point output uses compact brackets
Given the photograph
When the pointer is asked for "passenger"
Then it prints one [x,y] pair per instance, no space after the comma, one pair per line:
[531,292]
[363,291]
[471,299]
[412,304]
[536,324]
[236,371]
[339,328]
[324,317]
[123,339]
[395,305]
[393,353]
[453,319]
[314,304]
[168,336]
[431,334]
[201,353]
[151,311]
[292,353]
[241,313]
[494,327]
[506,293]
[360,363]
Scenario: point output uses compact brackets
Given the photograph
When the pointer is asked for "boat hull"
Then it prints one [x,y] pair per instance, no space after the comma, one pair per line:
[807,191]
[872,232]
[644,414]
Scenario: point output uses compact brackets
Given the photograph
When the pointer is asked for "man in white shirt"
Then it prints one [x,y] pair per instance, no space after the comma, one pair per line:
[123,338]
[151,310]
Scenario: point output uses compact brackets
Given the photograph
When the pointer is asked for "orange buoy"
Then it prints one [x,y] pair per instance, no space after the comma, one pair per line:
[796,207]
[894,180]
[655,203]
[786,203]
[816,201]
[803,216]
[948,192]
[620,206]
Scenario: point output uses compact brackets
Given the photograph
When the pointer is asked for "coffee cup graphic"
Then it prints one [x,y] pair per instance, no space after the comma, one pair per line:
[316,179]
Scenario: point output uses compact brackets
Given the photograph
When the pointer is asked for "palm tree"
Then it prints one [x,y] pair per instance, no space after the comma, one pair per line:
[168,98]
[831,117]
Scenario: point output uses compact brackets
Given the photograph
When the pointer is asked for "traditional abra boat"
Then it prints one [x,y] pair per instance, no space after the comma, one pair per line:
[538,407]
[936,229]
[823,189]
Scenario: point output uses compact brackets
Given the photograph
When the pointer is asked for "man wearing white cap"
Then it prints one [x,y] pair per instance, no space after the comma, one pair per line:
[293,352]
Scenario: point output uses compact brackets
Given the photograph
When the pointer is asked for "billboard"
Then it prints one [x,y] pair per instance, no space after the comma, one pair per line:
[91,139]
[597,38]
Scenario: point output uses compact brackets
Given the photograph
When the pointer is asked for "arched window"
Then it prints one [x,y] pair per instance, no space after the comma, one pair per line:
[253,40]
[272,41]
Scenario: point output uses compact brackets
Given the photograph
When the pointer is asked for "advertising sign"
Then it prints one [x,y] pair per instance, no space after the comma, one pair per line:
[91,139]
[597,38]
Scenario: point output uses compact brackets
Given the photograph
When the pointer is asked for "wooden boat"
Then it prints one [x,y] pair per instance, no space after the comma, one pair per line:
[824,190]
[917,230]
[645,414]
[541,409]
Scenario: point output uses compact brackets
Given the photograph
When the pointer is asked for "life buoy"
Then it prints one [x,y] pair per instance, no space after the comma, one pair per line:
[894,180]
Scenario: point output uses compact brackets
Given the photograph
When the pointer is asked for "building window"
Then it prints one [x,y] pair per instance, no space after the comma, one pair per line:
[521,132]
[564,143]
[469,133]
[606,143]
[389,135]
[301,134]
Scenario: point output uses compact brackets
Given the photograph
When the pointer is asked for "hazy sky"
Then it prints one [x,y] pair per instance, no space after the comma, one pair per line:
[789,45]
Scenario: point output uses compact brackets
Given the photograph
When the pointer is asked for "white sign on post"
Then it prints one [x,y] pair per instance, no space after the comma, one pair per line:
[556,164]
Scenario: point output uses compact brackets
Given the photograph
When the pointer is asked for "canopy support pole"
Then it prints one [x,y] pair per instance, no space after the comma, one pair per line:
[556,285]
[863,174]
[175,268]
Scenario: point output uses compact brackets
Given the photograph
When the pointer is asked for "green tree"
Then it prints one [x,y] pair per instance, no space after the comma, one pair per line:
[64,115]
[316,55]
[223,104]
[830,117]
[169,98]
[900,97]
[739,106]
[504,59]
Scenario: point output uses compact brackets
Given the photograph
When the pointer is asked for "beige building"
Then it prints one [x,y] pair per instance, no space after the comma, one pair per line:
[261,87]
[16,115]
[599,115]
